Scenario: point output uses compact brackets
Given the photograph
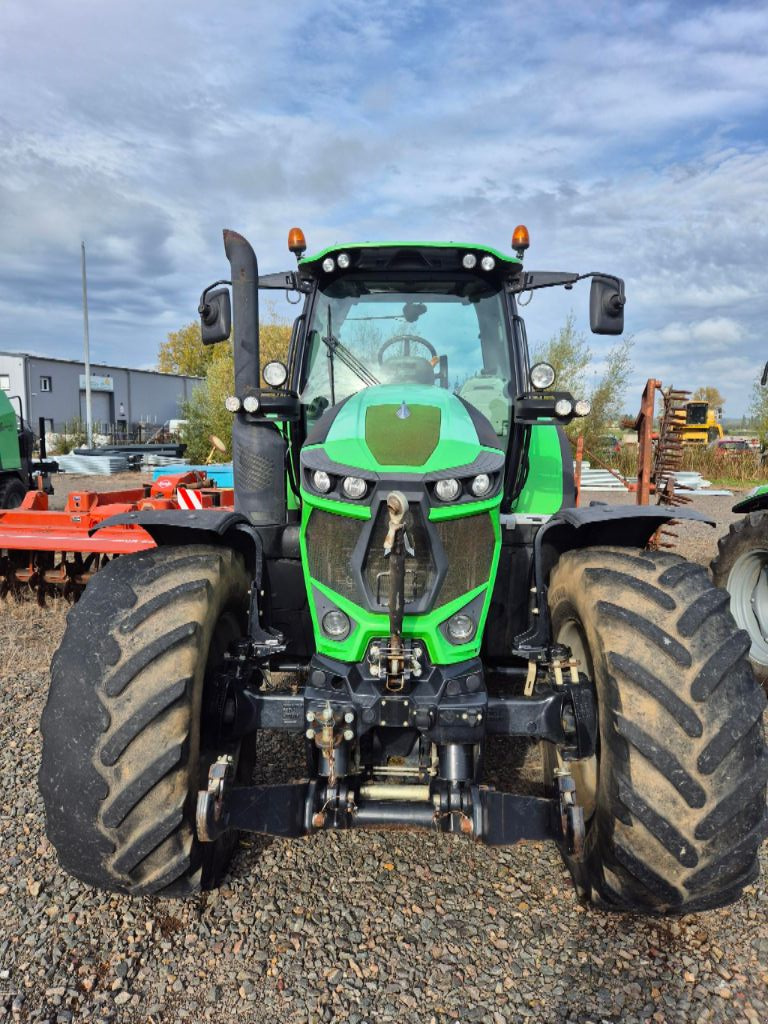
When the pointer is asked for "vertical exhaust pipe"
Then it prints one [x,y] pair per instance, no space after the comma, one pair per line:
[245,310]
[258,447]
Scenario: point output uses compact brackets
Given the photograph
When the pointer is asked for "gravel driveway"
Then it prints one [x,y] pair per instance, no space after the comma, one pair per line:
[358,927]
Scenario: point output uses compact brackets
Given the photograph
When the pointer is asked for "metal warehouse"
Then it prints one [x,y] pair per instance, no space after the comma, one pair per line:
[54,390]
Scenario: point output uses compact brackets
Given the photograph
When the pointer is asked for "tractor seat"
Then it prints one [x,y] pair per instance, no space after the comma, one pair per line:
[406,370]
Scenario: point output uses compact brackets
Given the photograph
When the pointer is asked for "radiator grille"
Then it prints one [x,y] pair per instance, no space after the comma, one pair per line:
[330,542]
[469,544]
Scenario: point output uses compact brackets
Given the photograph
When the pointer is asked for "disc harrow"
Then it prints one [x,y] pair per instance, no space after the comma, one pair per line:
[49,553]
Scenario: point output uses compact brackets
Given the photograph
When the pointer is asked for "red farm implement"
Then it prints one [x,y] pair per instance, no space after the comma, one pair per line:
[52,552]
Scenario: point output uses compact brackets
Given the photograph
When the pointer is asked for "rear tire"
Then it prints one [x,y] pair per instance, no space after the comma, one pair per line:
[123,756]
[740,566]
[12,492]
[680,800]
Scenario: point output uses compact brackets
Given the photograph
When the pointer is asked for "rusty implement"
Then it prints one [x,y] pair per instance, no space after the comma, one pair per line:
[54,553]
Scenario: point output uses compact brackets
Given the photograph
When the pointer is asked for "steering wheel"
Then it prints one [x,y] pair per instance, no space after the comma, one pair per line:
[407,340]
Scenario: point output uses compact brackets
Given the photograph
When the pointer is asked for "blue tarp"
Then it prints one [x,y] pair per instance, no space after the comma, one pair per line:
[221,473]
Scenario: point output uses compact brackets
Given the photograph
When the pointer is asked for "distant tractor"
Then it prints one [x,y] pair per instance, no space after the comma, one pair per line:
[16,464]
[404,580]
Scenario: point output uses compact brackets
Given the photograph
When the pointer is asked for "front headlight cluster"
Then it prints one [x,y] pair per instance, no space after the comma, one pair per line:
[353,487]
[451,489]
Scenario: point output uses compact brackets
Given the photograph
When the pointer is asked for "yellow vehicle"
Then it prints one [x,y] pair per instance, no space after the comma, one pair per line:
[698,423]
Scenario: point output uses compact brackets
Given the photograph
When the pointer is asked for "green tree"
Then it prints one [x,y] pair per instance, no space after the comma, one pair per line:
[758,410]
[709,394]
[568,353]
[607,395]
[184,352]
[570,356]
[205,412]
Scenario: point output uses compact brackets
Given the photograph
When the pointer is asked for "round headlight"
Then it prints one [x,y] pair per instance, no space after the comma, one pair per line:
[336,624]
[251,403]
[231,403]
[583,407]
[481,485]
[461,628]
[354,486]
[448,490]
[469,261]
[275,373]
[321,481]
[487,262]
[542,376]
[563,407]
[343,260]
[329,264]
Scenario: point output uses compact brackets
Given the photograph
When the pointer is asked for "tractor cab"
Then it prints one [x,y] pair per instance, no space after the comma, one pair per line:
[410,314]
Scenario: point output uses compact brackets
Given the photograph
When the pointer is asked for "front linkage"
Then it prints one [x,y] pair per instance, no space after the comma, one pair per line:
[446,709]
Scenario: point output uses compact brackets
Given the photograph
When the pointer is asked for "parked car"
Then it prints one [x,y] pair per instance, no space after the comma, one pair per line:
[731,446]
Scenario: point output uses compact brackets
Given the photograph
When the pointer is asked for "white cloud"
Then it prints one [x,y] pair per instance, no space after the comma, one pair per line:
[628,137]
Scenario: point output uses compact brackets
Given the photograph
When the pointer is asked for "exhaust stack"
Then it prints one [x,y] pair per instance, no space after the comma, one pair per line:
[245,310]
[258,447]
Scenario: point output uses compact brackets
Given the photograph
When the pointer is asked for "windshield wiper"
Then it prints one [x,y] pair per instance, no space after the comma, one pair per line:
[350,360]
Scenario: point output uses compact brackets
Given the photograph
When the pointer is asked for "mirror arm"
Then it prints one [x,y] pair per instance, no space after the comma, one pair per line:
[288,281]
[529,282]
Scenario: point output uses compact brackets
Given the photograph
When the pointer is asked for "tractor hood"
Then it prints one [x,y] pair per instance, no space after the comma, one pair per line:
[408,428]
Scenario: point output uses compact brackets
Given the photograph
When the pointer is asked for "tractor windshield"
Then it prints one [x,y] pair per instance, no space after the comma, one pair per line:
[450,334]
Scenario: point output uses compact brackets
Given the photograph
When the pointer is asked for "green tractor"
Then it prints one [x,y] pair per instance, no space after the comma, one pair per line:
[16,466]
[405,579]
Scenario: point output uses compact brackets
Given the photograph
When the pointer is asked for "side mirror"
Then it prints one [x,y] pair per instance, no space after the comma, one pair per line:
[764,378]
[215,311]
[606,305]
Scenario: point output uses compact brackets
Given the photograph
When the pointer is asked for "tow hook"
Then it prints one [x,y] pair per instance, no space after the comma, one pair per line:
[571,813]
[210,801]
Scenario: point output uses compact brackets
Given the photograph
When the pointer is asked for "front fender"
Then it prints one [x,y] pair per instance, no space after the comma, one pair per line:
[598,525]
[199,526]
[755,501]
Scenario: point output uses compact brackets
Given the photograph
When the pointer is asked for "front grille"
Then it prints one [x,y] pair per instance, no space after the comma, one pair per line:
[330,541]
[420,571]
[469,544]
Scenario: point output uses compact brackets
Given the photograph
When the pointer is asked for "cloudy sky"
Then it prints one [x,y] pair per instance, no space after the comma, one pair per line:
[631,138]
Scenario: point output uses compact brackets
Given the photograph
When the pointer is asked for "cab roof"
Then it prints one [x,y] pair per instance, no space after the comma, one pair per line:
[399,252]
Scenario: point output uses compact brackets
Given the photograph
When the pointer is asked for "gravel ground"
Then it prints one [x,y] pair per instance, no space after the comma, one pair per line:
[357,927]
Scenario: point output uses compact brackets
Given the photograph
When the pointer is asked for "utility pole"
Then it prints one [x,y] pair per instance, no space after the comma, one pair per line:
[86,346]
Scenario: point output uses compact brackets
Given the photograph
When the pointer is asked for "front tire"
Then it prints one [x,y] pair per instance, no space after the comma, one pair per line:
[679,807]
[741,568]
[124,752]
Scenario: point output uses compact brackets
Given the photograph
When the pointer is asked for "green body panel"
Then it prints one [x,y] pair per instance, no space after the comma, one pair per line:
[10,456]
[755,501]
[472,247]
[412,439]
[457,445]
[543,490]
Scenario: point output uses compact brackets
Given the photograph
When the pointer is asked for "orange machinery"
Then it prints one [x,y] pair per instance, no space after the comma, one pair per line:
[49,551]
